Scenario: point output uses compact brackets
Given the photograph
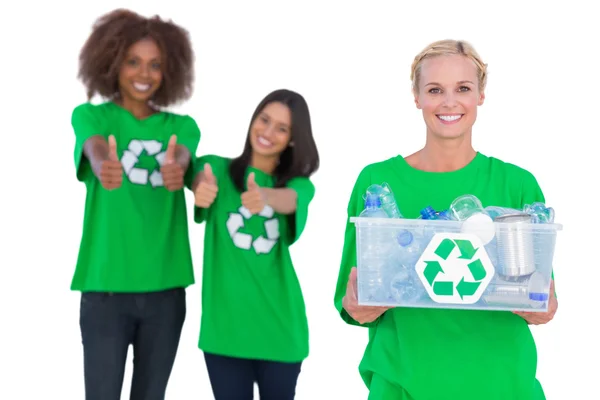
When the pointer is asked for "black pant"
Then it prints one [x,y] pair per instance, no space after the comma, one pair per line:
[110,322]
[233,378]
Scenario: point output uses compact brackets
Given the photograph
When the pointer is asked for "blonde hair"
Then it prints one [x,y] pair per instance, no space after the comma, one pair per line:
[448,48]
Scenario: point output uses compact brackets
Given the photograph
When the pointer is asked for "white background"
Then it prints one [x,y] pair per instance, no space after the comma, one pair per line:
[352,63]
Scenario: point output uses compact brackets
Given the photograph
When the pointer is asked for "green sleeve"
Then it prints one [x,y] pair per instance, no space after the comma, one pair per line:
[86,123]
[189,136]
[219,169]
[305,191]
[355,207]
[530,190]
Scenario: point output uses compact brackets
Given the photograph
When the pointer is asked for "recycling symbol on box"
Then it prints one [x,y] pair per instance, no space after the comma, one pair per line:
[260,244]
[455,268]
[133,157]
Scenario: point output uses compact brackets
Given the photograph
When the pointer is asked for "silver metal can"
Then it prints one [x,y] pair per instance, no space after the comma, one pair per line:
[515,246]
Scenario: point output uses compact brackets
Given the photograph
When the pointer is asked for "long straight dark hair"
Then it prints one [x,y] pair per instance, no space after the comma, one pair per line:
[299,160]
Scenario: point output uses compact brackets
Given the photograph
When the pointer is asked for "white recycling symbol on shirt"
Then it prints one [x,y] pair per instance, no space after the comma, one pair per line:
[261,244]
[131,156]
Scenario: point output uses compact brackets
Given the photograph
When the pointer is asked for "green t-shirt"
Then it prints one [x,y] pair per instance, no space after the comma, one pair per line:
[435,354]
[135,238]
[252,303]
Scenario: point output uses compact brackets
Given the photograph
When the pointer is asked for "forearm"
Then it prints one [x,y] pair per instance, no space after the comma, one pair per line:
[282,200]
[95,149]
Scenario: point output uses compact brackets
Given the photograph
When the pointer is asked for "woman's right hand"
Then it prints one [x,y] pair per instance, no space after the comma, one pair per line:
[206,190]
[109,169]
[361,314]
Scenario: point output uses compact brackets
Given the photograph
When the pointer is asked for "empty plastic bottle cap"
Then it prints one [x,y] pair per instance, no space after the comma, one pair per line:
[427,213]
[404,238]
[480,225]
[538,296]
[372,200]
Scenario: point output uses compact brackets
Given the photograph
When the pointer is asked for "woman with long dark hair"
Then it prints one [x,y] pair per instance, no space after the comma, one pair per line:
[254,326]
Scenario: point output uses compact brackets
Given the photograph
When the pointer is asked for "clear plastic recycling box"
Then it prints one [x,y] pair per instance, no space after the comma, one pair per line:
[503,265]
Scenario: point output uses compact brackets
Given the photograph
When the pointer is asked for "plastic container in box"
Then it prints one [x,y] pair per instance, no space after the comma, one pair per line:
[451,264]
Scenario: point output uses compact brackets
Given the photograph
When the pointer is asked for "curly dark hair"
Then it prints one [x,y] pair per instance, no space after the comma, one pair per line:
[113,33]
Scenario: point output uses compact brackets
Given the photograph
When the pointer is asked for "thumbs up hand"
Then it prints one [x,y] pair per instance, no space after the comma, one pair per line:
[111,170]
[206,191]
[254,198]
[172,171]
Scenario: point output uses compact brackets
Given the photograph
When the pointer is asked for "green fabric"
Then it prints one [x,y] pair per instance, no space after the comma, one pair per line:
[135,238]
[252,303]
[381,389]
[435,354]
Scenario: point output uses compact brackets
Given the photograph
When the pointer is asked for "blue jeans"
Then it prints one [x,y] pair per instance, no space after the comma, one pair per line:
[110,322]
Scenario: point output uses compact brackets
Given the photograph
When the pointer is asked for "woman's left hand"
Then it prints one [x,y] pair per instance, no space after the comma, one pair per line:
[540,318]
[254,198]
[172,171]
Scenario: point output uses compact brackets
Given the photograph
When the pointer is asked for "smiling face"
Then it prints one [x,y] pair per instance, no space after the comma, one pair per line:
[271,130]
[448,94]
[141,74]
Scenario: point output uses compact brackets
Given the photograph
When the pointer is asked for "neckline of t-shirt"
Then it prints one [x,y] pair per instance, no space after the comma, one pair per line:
[258,173]
[148,119]
[427,178]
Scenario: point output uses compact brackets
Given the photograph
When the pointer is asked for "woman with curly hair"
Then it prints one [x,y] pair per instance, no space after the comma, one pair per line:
[134,259]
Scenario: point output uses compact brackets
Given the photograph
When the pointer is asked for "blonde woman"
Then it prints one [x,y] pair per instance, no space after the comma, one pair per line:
[436,354]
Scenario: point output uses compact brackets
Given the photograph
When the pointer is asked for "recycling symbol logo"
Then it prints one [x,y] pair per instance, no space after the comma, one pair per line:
[142,161]
[455,268]
[261,244]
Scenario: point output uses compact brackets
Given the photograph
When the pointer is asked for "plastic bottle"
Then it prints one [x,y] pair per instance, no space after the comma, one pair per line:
[540,213]
[405,286]
[373,208]
[427,213]
[476,220]
[444,215]
[536,290]
[389,205]
[386,196]
[376,244]
[411,247]
[430,214]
